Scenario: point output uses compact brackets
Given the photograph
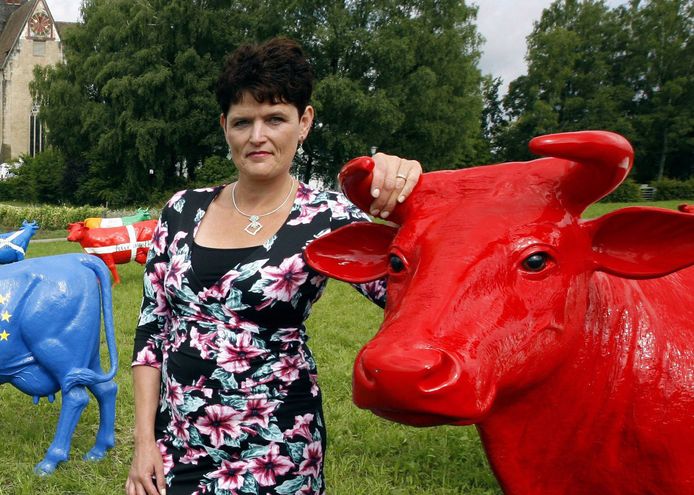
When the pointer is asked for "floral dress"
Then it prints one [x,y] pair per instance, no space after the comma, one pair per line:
[240,409]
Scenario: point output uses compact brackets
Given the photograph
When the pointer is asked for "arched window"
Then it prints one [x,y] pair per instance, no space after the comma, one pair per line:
[37,135]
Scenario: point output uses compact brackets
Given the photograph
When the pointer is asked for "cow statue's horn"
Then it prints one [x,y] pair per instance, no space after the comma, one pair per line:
[603,160]
[355,180]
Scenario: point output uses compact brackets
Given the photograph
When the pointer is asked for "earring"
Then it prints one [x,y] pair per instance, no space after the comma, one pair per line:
[300,150]
[229,153]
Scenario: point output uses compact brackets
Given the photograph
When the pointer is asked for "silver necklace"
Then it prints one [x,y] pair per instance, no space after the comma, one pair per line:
[254,226]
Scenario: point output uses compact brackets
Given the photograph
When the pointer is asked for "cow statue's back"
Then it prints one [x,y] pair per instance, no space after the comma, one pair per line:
[140,215]
[50,333]
[568,342]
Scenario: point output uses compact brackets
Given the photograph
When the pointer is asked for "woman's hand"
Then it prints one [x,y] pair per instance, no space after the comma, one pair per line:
[146,469]
[393,180]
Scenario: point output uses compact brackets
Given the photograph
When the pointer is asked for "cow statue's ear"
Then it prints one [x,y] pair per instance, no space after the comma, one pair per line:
[642,242]
[355,253]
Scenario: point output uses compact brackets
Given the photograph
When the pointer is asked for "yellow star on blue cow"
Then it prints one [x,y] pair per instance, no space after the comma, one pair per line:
[4,335]
[4,299]
[5,316]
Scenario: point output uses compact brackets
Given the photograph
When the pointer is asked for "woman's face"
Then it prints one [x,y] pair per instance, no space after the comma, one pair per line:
[263,137]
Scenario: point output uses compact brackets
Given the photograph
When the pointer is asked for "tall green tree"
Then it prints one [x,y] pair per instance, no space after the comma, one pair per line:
[629,70]
[571,83]
[136,91]
[494,119]
[398,76]
[133,106]
[660,69]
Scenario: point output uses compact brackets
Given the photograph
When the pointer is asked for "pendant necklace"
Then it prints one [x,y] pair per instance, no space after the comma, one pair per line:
[254,226]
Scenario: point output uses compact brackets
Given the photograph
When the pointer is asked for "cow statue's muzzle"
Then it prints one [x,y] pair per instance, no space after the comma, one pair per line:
[419,385]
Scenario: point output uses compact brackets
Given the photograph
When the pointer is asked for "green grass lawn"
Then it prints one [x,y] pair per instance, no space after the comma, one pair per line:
[366,455]
[602,208]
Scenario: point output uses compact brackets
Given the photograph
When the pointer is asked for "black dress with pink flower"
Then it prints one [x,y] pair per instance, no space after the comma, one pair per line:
[240,409]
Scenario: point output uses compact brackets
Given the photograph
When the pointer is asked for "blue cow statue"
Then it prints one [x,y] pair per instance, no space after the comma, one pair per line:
[50,329]
[13,245]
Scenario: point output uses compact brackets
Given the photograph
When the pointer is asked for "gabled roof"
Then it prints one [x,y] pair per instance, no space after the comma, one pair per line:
[6,10]
[13,29]
[61,26]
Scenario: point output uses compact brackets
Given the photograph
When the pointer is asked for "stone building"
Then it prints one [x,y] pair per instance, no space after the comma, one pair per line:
[28,37]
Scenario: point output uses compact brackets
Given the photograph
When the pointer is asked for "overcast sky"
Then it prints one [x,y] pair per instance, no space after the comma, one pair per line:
[503,23]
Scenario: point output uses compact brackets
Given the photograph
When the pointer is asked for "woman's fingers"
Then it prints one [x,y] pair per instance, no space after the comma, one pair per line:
[161,481]
[146,475]
[394,178]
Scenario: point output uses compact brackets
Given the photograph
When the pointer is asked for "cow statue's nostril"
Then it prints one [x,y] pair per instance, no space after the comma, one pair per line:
[362,373]
[441,374]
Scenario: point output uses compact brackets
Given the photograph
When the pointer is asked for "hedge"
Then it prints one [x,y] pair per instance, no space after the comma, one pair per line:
[627,192]
[48,217]
[673,189]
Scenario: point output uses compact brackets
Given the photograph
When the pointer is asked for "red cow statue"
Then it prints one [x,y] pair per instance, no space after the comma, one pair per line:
[686,208]
[568,342]
[115,245]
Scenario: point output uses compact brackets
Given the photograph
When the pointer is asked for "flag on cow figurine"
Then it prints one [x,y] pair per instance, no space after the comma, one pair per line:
[13,245]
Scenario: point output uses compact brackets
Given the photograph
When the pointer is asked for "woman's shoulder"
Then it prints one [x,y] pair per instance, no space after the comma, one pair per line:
[338,206]
[192,197]
[311,193]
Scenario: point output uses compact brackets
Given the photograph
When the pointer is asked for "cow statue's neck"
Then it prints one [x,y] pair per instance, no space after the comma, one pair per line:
[602,402]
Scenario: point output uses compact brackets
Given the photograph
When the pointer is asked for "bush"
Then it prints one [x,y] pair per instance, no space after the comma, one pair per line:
[627,192]
[39,179]
[215,170]
[673,189]
[48,217]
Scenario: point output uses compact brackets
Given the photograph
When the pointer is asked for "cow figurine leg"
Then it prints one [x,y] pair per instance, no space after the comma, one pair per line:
[50,340]
[105,394]
[111,264]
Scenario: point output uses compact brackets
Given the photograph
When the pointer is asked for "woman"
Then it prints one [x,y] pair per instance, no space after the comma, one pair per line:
[226,397]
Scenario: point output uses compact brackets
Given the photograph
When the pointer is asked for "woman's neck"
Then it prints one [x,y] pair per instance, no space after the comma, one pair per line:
[257,197]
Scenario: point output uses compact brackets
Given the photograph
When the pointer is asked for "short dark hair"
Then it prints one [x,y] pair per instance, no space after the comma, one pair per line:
[275,71]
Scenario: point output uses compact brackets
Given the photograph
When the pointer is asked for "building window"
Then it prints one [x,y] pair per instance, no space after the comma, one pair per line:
[39,48]
[37,134]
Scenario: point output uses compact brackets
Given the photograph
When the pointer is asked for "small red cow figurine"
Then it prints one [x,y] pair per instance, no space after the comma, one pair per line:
[115,245]
[568,342]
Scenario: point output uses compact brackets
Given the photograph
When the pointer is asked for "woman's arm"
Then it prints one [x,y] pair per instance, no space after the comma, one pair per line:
[147,467]
[146,476]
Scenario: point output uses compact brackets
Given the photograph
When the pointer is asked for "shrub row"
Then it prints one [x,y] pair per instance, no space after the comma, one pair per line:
[673,189]
[665,189]
[627,192]
[48,217]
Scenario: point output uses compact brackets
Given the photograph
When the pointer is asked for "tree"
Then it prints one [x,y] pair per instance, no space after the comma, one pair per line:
[494,119]
[660,69]
[135,94]
[400,76]
[39,179]
[571,83]
[136,91]
[629,70]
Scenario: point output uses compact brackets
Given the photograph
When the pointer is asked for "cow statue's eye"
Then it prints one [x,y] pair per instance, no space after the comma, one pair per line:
[536,262]
[396,264]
